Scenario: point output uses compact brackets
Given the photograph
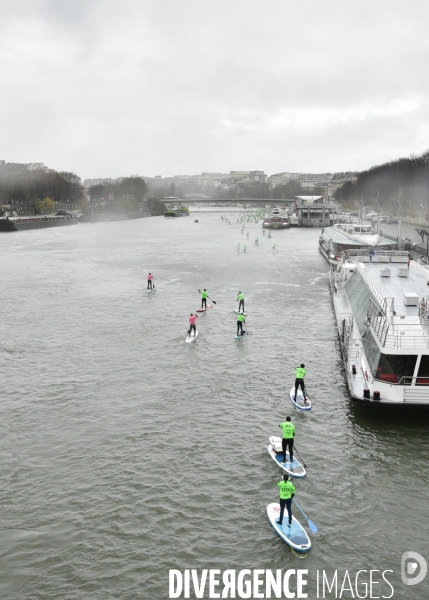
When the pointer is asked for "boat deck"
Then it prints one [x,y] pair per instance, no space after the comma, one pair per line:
[395,286]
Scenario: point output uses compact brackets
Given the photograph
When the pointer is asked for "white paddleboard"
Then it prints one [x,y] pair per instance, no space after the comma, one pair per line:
[204,309]
[149,289]
[240,312]
[300,403]
[294,468]
[191,338]
[295,535]
[238,337]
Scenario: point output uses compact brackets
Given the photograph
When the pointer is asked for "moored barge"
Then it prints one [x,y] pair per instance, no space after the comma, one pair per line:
[18,223]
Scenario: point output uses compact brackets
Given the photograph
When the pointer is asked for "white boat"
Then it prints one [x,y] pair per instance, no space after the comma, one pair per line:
[381,305]
[350,236]
[276,220]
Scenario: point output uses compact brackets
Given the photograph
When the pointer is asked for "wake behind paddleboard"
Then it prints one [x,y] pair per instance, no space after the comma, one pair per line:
[240,312]
[191,338]
[294,468]
[295,535]
[204,309]
[300,403]
[238,337]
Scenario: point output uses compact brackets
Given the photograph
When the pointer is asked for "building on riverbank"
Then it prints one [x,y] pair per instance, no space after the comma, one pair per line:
[314,211]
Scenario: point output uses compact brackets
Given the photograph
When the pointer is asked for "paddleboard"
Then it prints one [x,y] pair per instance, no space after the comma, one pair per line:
[191,338]
[204,309]
[149,289]
[238,337]
[240,312]
[295,535]
[299,403]
[294,468]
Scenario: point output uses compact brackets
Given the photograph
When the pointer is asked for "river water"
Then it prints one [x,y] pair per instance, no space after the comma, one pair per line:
[126,452]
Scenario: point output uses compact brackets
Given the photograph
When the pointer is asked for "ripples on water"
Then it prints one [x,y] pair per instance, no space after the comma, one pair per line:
[126,452]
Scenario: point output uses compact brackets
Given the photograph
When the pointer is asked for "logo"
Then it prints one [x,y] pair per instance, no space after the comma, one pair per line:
[410,563]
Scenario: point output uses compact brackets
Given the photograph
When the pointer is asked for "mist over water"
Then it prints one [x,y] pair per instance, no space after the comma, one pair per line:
[126,452]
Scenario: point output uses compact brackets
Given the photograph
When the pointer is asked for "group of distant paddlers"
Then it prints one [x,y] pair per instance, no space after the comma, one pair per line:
[204,295]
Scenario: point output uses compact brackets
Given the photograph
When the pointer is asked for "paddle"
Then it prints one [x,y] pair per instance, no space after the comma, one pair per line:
[209,298]
[311,525]
[153,283]
[305,466]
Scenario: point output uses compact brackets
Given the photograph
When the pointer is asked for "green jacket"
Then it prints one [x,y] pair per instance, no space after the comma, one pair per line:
[288,430]
[287,489]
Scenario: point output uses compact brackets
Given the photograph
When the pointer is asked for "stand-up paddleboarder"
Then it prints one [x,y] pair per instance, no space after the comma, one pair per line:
[240,321]
[299,381]
[204,296]
[193,328]
[241,303]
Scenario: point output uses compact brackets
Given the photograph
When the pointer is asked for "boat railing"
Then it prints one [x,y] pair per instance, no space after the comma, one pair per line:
[422,260]
[372,252]
[397,336]
[405,380]
[378,317]
[404,340]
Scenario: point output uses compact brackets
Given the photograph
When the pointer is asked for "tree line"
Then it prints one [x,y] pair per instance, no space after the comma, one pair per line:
[397,185]
[126,196]
[34,191]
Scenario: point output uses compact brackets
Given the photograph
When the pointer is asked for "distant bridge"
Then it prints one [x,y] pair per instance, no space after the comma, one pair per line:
[231,201]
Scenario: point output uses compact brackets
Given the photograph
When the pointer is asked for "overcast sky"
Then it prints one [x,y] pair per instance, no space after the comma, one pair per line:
[109,88]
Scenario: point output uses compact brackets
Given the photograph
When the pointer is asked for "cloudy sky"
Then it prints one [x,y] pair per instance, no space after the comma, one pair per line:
[109,88]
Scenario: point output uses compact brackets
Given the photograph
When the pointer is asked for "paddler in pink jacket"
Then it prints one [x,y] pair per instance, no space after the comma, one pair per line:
[149,281]
[192,320]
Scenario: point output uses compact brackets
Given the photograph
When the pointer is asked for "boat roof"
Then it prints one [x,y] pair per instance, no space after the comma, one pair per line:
[389,278]
[352,234]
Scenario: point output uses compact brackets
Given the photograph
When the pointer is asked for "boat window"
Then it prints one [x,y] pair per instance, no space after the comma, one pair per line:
[358,295]
[423,374]
[372,351]
[393,367]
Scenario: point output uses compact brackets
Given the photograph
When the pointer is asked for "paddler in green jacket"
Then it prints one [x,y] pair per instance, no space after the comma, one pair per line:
[299,381]
[240,321]
[288,435]
[241,303]
[204,296]
[287,492]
